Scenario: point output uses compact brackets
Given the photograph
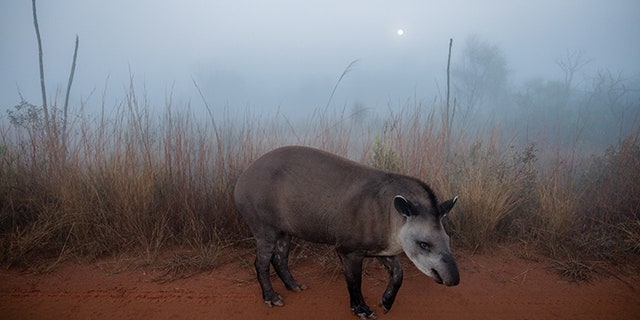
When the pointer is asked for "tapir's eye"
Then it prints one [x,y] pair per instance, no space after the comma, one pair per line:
[423,245]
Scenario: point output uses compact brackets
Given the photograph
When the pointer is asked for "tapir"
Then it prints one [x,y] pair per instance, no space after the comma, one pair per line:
[320,197]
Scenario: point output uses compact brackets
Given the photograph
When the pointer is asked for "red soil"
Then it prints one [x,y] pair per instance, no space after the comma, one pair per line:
[491,287]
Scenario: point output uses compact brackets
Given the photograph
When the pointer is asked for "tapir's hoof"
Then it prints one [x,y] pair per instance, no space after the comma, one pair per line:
[299,288]
[276,301]
[384,308]
[364,316]
[363,312]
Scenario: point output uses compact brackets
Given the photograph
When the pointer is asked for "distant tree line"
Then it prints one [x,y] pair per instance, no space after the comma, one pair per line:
[593,111]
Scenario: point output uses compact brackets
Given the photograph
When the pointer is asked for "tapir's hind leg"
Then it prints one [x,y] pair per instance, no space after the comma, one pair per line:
[280,261]
[265,251]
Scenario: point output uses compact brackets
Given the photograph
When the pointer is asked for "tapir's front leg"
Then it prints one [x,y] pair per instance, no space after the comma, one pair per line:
[393,266]
[352,264]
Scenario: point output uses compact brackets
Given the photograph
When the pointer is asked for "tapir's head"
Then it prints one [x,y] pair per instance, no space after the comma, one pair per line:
[424,240]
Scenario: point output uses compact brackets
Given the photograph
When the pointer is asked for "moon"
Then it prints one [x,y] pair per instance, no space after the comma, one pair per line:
[400,32]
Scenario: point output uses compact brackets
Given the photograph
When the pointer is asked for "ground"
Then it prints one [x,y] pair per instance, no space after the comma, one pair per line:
[497,286]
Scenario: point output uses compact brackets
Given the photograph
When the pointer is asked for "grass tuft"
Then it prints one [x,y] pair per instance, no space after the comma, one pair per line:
[574,270]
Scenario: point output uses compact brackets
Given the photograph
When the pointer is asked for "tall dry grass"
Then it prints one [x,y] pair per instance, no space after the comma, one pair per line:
[138,182]
[608,224]
[491,179]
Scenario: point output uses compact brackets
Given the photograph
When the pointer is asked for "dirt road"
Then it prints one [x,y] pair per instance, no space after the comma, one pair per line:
[492,287]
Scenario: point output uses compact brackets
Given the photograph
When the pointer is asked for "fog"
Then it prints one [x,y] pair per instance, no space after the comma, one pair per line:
[286,56]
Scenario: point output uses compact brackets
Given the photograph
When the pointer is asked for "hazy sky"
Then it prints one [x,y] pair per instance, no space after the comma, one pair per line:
[268,54]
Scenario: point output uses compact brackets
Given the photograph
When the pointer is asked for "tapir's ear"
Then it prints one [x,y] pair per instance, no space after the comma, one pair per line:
[402,205]
[446,206]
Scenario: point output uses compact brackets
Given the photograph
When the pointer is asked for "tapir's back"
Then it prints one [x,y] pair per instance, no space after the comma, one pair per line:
[306,192]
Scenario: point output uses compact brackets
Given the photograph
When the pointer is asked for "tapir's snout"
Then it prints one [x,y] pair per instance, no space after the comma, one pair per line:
[454,280]
[448,275]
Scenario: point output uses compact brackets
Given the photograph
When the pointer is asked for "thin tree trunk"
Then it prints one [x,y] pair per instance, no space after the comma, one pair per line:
[448,80]
[66,100]
[42,86]
[448,117]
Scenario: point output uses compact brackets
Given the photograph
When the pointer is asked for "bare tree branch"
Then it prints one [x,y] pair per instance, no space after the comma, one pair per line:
[570,64]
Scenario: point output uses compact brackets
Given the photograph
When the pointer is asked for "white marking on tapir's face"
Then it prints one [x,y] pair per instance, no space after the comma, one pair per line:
[427,246]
